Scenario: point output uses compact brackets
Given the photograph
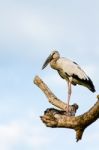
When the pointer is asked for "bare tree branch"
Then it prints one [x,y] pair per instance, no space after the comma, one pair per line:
[53,99]
[59,118]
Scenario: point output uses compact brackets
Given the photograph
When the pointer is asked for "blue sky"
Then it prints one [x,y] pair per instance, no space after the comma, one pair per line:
[29,30]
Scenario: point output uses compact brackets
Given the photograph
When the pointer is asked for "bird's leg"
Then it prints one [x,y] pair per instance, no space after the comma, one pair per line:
[69,95]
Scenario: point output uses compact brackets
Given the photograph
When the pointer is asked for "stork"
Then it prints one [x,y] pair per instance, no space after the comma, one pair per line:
[70,71]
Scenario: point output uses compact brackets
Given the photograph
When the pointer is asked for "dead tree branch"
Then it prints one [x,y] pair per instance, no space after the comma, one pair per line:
[59,118]
[53,99]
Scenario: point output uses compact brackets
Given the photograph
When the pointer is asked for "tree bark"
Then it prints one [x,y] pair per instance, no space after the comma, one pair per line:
[60,118]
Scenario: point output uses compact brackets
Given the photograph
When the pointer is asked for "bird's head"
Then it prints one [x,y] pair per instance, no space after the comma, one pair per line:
[53,56]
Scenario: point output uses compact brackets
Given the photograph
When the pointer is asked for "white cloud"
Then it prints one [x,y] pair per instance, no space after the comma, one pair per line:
[16,133]
[20,21]
[8,135]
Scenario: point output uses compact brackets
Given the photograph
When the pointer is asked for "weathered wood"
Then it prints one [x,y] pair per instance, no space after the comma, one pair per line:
[53,99]
[61,119]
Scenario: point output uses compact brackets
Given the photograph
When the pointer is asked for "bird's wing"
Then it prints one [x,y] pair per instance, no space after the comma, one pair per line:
[71,68]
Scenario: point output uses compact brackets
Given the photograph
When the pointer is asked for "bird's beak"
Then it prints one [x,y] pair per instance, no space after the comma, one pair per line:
[47,61]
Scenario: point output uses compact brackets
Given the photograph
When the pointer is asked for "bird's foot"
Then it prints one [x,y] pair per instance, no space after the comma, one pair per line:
[71,110]
[68,113]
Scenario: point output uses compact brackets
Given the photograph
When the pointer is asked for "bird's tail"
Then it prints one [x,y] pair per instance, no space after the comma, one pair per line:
[91,86]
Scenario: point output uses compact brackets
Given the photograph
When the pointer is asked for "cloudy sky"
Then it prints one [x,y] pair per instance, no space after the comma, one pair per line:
[29,30]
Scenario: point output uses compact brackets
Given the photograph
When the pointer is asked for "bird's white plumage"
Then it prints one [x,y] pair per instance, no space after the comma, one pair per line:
[71,68]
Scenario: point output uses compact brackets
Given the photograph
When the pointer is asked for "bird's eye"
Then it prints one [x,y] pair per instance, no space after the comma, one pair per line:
[53,53]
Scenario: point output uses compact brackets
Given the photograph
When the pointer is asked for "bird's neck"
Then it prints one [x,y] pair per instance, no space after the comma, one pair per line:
[53,63]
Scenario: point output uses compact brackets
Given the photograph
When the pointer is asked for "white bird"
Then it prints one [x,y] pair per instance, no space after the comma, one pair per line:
[70,71]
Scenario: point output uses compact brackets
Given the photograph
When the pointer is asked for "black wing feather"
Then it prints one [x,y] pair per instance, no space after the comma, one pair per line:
[86,81]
